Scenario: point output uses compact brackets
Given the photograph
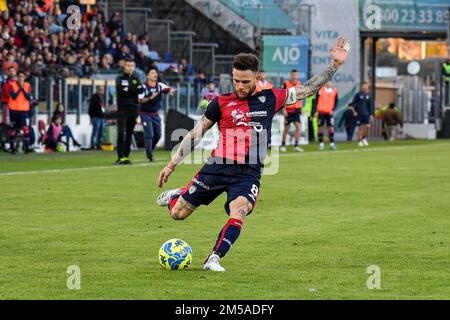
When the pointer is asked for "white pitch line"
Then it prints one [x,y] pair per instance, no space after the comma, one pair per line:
[363,149]
[77,169]
[302,154]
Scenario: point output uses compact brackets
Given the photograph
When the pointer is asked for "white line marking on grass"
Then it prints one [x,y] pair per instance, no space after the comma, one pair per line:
[366,149]
[361,149]
[77,169]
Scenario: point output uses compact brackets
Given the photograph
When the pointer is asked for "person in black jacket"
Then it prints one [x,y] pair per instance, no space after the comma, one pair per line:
[97,115]
[349,120]
[128,88]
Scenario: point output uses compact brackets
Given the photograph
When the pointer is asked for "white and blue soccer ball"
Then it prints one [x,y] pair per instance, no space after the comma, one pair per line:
[175,254]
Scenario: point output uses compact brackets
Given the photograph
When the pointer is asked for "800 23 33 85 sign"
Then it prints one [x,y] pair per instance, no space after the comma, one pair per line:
[421,15]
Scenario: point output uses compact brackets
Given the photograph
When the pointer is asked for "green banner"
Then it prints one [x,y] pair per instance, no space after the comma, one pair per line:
[405,15]
[284,53]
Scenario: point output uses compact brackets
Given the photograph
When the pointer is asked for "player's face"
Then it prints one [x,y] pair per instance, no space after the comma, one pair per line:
[244,83]
[152,76]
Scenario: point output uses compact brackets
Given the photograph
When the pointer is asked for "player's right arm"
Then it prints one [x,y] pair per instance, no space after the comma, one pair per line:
[191,140]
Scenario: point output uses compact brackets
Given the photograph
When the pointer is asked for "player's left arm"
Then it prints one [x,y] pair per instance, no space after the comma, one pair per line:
[339,54]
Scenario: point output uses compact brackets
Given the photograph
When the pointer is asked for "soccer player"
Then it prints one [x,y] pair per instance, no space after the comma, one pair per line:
[244,118]
[362,105]
[292,113]
[150,101]
[324,105]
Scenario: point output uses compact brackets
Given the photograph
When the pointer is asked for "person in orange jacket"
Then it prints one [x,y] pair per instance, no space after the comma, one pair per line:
[324,106]
[19,111]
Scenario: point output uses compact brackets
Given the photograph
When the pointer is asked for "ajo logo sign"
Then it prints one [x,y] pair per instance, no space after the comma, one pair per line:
[287,55]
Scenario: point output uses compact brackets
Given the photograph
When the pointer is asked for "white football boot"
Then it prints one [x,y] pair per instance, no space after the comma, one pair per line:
[164,198]
[333,146]
[283,149]
[321,146]
[213,263]
[361,144]
[298,149]
[366,144]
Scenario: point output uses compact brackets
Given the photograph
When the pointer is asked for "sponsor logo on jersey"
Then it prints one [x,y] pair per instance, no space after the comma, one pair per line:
[255,114]
[232,104]
[262,99]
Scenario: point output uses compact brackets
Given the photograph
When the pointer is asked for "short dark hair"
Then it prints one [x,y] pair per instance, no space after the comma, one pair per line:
[294,70]
[152,68]
[246,61]
[22,72]
[129,59]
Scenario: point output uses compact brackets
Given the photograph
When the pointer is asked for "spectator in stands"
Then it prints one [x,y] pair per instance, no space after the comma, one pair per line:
[128,88]
[392,118]
[10,62]
[186,70]
[200,82]
[143,47]
[97,114]
[143,62]
[66,131]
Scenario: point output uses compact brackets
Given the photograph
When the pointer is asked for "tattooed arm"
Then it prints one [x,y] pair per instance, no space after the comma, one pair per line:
[339,55]
[190,141]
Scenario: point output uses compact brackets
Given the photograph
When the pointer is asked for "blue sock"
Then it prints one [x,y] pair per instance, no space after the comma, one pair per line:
[229,234]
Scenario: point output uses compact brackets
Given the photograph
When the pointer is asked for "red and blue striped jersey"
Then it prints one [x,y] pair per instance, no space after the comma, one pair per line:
[245,125]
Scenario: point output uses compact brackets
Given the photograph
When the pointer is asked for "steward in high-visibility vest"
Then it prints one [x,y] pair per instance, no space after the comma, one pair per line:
[292,113]
[19,110]
[324,105]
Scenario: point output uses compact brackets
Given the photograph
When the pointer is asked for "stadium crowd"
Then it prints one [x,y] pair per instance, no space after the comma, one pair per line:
[35,35]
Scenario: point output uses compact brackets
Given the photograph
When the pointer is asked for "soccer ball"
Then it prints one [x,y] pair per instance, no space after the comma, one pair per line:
[175,254]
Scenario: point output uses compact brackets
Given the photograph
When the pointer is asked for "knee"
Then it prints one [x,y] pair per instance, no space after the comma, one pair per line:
[177,214]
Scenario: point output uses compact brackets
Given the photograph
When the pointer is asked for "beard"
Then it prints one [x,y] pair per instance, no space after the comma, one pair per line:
[248,95]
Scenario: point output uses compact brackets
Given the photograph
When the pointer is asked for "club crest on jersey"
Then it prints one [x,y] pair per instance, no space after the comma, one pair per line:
[262,99]
[192,189]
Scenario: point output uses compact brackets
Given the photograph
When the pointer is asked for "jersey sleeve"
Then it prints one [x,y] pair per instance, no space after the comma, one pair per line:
[281,96]
[213,110]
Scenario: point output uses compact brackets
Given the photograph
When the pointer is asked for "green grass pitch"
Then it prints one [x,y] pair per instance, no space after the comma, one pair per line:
[320,223]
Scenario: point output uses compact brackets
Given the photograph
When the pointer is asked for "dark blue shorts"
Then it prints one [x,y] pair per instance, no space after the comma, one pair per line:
[213,179]
[292,117]
[363,119]
[19,119]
